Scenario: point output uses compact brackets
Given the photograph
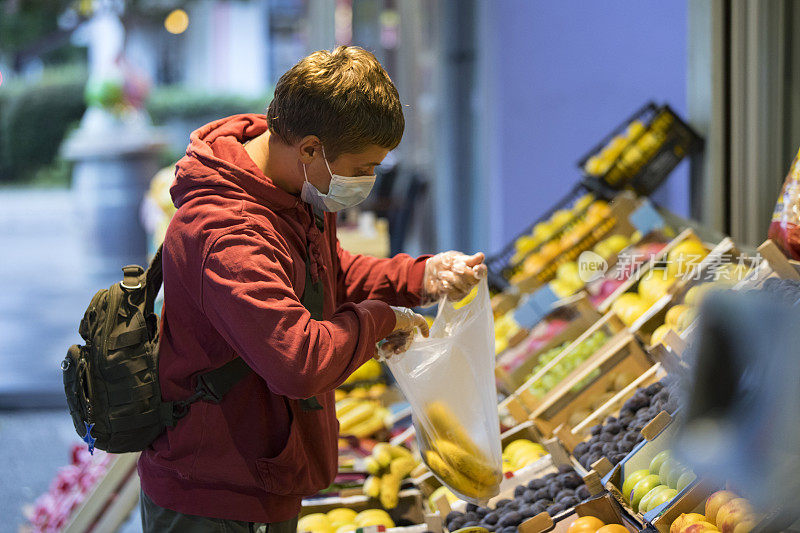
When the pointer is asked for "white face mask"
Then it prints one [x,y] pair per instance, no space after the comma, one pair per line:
[343,192]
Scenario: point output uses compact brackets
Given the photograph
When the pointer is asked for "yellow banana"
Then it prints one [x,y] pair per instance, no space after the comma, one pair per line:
[372,466]
[368,427]
[359,414]
[456,480]
[474,466]
[398,451]
[383,454]
[390,489]
[402,466]
[346,405]
[372,486]
[447,426]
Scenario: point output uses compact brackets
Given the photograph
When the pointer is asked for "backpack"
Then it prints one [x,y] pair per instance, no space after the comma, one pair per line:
[111,382]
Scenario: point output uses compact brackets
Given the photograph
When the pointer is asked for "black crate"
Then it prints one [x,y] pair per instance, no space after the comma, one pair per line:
[500,265]
[641,166]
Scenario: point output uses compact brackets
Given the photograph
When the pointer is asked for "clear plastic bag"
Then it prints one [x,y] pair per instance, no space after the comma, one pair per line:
[449,381]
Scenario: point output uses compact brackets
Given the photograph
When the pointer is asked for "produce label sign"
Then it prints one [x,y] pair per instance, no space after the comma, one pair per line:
[535,307]
[646,219]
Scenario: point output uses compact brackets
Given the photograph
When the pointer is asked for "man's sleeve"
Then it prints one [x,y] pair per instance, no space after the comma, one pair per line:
[248,297]
[396,280]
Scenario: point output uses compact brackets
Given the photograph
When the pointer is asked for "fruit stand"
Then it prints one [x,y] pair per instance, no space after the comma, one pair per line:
[588,365]
[588,369]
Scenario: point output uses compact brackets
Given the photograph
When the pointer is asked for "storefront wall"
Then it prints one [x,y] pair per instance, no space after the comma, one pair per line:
[563,74]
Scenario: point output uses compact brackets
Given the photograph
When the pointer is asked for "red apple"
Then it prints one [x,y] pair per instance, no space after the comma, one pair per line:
[732,513]
[715,501]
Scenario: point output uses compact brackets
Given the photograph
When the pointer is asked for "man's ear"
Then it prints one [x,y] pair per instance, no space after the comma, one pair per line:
[308,147]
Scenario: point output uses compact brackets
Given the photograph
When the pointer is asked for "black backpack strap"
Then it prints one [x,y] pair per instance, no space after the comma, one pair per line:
[153,280]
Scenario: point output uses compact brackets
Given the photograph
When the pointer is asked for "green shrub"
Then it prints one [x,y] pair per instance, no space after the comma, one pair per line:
[34,119]
[165,103]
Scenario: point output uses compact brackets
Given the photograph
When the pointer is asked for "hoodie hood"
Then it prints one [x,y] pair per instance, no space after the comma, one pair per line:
[216,163]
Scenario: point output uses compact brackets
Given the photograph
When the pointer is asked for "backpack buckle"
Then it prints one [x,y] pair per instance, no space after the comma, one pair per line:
[131,277]
[205,390]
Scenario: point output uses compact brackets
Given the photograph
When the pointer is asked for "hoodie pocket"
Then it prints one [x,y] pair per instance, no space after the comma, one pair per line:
[303,467]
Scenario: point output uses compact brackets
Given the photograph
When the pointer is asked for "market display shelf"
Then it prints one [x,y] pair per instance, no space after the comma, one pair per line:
[640,152]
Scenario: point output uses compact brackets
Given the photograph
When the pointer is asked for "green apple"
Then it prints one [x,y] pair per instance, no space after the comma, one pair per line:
[675,475]
[658,460]
[658,499]
[666,469]
[642,487]
[632,480]
[650,495]
[685,479]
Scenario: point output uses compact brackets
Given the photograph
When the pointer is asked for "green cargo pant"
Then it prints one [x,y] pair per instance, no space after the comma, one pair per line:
[156,519]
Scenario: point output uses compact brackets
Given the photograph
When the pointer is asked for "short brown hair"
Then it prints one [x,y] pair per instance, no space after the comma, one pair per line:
[344,97]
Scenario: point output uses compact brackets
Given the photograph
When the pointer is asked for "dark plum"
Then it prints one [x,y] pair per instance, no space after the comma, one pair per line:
[537,483]
[491,518]
[555,509]
[510,519]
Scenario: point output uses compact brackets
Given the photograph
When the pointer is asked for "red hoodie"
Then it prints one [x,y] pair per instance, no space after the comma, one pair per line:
[234,271]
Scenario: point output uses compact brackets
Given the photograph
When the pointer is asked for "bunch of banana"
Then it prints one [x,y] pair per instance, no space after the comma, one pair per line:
[361,418]
[520,453]
[388,466]
[455,458]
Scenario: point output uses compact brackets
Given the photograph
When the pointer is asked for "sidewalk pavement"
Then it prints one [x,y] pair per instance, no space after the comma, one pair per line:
[43,293]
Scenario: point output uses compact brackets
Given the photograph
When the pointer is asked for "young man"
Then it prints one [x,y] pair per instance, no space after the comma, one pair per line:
[253,270]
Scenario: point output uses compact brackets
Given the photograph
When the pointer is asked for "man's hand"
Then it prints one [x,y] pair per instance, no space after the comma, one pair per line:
[406,324]
[452,275]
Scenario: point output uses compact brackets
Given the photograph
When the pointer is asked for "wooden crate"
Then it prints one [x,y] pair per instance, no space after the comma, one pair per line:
[616,222]
[579,433]
[604,507]
[632,283]
[725,252]
[773,265]
[583,316]
[622,353]
[609,323]
[655,314]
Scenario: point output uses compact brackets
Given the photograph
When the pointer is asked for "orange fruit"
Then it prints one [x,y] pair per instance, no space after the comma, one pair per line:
[585,524]
[612,528]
